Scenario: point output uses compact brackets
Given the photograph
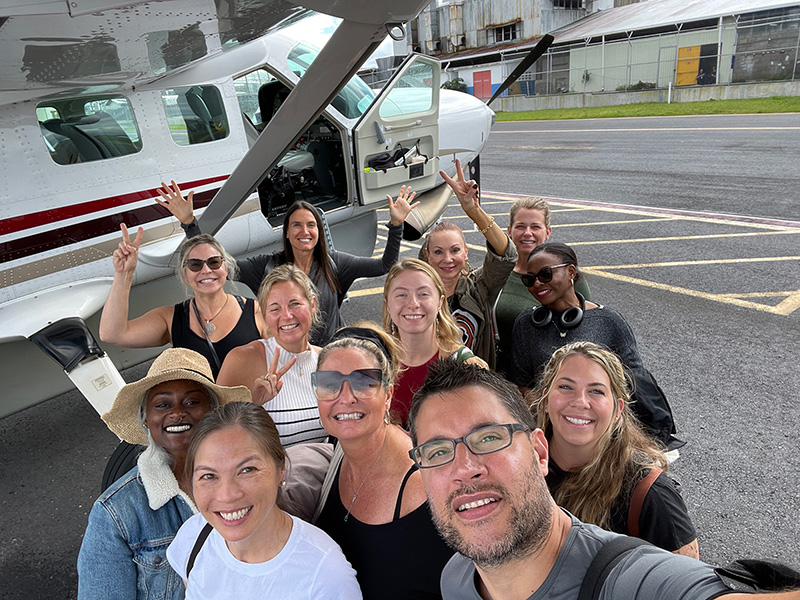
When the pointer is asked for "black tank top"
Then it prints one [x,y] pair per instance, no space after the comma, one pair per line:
[244,332]
[400,560]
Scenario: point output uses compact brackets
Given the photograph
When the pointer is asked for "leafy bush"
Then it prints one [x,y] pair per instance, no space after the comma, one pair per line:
[457,84]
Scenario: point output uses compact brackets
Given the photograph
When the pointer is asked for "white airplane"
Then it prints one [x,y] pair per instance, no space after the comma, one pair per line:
[101,100]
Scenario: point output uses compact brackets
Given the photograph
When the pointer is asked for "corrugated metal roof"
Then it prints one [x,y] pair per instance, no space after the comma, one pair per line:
[659,13]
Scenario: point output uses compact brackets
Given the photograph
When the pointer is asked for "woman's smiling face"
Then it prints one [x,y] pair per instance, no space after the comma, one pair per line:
[580,403]
[447,253]
[288,315]
[235,486]
[550,292]
[206,280]
[413,302]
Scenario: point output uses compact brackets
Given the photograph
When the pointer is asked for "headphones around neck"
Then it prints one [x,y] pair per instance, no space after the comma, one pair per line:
[569,319]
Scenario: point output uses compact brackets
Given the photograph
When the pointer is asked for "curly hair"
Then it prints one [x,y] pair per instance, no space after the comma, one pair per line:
[623,451]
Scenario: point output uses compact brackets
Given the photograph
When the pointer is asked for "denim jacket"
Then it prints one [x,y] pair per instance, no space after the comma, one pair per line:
[130,526]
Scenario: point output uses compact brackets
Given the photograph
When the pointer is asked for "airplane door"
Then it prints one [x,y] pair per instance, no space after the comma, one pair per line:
[397,139]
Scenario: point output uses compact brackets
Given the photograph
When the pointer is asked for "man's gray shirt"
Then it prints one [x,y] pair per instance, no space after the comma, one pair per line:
[647,573]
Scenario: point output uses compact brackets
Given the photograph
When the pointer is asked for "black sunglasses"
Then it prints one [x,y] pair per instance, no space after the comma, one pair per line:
[196,264]
[544,275]
[364,383]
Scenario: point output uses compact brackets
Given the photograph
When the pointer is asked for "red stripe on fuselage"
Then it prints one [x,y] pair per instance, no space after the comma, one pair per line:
[85,230]
[45,217]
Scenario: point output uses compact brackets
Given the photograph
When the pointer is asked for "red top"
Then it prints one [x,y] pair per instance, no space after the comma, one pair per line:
[408,382]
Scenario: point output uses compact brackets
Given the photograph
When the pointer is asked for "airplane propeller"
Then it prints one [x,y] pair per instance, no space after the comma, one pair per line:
[532,57]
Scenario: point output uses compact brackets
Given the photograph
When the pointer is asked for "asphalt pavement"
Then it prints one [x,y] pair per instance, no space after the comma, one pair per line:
[688,226]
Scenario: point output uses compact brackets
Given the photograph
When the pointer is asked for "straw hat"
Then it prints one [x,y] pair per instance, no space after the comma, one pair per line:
[171,365]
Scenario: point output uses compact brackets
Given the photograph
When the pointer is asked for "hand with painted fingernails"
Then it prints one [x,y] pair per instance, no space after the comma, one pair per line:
[126,255]
[173,200]
[400,209]
[465,190]
[267,387]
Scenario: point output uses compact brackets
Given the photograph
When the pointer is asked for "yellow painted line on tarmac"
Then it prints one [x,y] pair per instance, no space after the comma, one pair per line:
[758,295]
[623,222]
[645,129]
[365,292]
[546,147]
[686,237]
[784,308]
[684,263]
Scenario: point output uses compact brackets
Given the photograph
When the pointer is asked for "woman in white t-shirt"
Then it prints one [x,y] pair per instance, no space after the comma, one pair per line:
[242,545]
[277,370]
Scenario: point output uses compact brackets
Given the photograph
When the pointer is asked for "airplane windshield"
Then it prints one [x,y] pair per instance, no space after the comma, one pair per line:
[355,97]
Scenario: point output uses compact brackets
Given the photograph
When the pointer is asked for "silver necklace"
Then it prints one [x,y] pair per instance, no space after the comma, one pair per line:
[561,333]
[209,327]
[363,481]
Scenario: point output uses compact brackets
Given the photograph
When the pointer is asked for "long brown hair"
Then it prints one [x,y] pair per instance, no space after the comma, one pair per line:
[623,451]
[321,255]
[448,334]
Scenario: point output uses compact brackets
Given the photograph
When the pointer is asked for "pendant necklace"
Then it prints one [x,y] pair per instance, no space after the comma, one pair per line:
[563,334]
[363,481]
[209,327]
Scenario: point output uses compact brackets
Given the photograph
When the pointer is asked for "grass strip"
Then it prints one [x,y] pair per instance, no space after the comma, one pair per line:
[775,104]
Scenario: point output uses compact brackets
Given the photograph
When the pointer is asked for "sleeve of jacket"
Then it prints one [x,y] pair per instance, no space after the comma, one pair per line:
[106,570]
[350,267]
[493,273]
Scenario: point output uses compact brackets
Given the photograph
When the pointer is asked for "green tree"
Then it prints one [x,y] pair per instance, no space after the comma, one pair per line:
[457,84]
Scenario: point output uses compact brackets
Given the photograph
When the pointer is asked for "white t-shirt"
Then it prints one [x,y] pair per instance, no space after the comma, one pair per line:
[310,566]
[294,409]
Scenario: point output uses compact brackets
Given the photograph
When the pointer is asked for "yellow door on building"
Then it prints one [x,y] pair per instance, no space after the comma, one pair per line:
[688,65]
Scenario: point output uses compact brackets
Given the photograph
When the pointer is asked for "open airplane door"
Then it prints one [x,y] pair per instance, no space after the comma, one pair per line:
[396,141]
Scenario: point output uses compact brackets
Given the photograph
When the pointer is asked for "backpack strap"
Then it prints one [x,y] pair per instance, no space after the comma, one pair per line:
[637,499]
[327,484]
[609,556]
[198,545]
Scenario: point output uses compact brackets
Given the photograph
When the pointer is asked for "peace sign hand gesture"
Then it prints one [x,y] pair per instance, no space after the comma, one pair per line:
[180,207]
[126,255]
[267,387]
[466,191]
[400,209]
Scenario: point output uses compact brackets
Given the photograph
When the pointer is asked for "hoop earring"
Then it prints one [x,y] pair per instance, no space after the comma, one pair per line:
[387,417]
[468,268]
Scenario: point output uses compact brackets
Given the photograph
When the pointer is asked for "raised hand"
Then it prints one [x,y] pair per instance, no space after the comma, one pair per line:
[267,387]
[172,199]
[466,191]
[126,255]
[400,209]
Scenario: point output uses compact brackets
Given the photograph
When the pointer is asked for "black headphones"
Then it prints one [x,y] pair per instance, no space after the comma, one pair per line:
[569,319]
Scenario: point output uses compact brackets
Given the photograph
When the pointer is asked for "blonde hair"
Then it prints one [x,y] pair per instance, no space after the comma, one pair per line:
[530,203]
[389,365]
[289,273]
[188,245]
[624,450]
[438,228]
[448,334]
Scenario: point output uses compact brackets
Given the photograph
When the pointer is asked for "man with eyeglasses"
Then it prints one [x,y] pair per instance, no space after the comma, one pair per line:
[483,464]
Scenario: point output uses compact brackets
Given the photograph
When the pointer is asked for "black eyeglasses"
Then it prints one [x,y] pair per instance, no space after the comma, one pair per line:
[481,441]
[544,275]
[196,264]
[363,382]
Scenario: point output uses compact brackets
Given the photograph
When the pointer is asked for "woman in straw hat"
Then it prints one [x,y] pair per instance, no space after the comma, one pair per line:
[123,554]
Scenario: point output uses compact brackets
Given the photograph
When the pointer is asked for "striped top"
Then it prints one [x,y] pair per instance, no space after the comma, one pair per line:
[294,409]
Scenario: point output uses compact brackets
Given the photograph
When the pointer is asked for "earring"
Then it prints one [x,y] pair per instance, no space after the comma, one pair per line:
[436,323]
[387,417]
[572,281]
[394,329]
[466,269]
[283,483]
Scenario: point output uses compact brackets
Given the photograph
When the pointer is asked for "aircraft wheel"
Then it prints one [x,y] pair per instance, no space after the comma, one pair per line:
[122,460]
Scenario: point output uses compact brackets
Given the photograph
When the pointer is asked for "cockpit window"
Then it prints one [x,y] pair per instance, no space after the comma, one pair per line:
[259,88]
[78,130]
[355,97]
[195,114]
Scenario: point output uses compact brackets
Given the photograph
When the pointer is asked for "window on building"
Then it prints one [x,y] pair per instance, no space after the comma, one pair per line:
[195,114]
[506,33]
[570,4]
[78,130]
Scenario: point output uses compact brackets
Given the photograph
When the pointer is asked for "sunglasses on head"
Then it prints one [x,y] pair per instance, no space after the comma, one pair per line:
[544,275]
[364,383]
[196,264]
